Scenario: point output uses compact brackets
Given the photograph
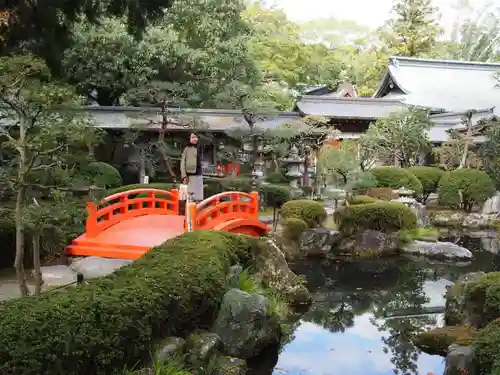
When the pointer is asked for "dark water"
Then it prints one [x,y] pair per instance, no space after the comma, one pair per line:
[346,332]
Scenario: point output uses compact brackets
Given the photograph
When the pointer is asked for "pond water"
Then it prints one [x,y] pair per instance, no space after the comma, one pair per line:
[346,330]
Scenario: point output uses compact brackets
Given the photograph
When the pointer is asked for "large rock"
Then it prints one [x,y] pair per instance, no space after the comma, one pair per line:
[478,221]
[232,366]
[245,325]
[491,244]
[92,267]
[201,347]
[418,208]
[447,218]
[458,310]
[492,205]
[318,241]
[233,276]
[439,250]
[371,243]
[460,360]
[57,275]
[273,272]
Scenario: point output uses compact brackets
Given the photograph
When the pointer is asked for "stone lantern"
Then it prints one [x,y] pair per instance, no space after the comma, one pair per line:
[293,163]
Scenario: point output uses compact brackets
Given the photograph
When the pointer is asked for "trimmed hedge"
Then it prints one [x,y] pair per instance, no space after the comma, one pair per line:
[312,212]
[385,194]
[361,199]
[463,188]
[429,178]
[293,228]
[275,196]
[103,174]
[381,216]
[395,178]
[276,178]
[99,327]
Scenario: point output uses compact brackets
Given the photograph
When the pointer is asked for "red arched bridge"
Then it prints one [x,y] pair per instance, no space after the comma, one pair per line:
[126,225]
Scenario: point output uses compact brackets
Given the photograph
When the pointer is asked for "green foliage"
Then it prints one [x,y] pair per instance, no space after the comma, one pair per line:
[248,284]
[491,150]
[487,348]
[464,188]
[103,175]
[418,234]
[174,286]
[401,136]
[385,194]
[381,216]
[429,178]
[275,196]
[361,199]
[313,213]
[293,228]
[276,178]
[213,186]
[396,178]
[414,28]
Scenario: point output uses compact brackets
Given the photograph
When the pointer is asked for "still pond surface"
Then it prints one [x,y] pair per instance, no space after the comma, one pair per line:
[346,331]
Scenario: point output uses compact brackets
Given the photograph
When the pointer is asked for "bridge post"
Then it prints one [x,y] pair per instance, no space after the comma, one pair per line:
[191,216]
[255,203]
[91,219]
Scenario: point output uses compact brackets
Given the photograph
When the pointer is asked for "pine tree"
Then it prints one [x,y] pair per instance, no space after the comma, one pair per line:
[413,28]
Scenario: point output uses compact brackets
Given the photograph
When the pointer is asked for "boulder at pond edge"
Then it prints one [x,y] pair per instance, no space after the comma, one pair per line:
[438,250]
[318,242]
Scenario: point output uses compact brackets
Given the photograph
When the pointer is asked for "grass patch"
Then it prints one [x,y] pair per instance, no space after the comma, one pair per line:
[417,234]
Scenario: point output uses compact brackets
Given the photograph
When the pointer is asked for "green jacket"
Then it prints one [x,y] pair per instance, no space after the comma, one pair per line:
[188,161]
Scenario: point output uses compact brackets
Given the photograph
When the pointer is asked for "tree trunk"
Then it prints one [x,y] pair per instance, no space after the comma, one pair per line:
[161,141]
[468,137]
[36,264]
[19,260]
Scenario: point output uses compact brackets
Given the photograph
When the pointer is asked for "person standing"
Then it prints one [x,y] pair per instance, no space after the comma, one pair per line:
[191,168]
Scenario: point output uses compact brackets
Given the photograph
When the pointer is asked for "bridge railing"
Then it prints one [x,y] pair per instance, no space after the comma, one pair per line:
[223,207]
[125,205]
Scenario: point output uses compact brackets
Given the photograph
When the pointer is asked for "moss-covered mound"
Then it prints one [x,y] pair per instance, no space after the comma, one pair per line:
[380,216]
[312,212]
[97,328]
[361,199]
[437,341]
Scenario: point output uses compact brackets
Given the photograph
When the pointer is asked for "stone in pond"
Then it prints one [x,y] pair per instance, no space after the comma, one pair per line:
[460,360]
[245,325]
[369,241]
[233,276]
[318,241]
[171,347]
[232,366]
[440,250]
[92,267]
[57,275]
[492,205]
[201,347]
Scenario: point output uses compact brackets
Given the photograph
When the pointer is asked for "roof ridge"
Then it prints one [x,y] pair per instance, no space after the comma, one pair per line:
[438,62]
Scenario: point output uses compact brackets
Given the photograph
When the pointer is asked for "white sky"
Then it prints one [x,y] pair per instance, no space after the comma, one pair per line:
[370,13]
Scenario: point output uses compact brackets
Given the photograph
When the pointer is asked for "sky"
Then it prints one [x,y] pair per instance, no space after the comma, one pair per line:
[370,13]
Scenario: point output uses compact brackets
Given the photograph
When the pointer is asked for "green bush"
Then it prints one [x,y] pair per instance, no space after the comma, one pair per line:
[213,186]
[103,174]
[275,196]
[463,188]
[99,327]
[276,178]
[429,178]
[384,194]
[395,178]
[361,199]
[487,348]
[293,228]
[381,216]
[312,212]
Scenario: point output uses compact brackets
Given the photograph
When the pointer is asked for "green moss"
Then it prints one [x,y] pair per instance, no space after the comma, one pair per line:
[293,228]
[418,234]
[174,287]
[381,216]
[437,341]
[312,212]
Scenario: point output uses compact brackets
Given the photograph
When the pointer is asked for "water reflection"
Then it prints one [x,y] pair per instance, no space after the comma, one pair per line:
[347,332]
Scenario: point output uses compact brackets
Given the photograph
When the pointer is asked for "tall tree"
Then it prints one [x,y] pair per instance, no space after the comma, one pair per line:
[45,27]
[413,28]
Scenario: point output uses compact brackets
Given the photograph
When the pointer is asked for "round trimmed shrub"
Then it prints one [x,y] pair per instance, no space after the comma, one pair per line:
[361,199]
[103,174]
[293,228]
[312,212]
[275,196]
[384,194]
[172,289]
[464,188]
[385,217]
[395,178]
[276,178]
[429,177]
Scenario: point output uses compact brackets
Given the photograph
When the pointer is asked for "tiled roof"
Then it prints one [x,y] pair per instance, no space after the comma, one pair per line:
[355,108]
[413,75]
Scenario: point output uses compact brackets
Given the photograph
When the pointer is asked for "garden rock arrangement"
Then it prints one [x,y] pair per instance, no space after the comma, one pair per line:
[470,339]
[318,242]
[438,250]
